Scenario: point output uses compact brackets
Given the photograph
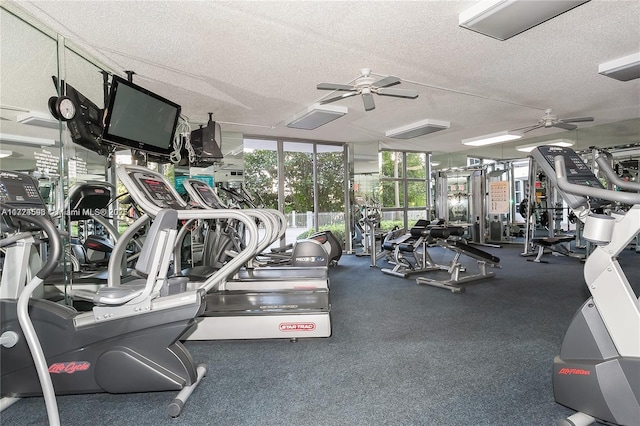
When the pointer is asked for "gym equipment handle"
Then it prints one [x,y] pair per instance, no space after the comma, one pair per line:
[572,188]
[614,178]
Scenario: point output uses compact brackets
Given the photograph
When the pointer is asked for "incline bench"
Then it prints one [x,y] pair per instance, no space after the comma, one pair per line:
[482,258]
[419,237]
[554,244]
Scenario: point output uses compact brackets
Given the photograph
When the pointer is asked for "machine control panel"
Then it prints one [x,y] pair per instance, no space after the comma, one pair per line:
[204,192]
[19,189]
[156,189]
[577,171]
[19,196]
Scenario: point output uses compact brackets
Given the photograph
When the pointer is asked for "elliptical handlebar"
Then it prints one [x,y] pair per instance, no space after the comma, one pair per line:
[55,244]
[604,165]
[589,191]
[22,309]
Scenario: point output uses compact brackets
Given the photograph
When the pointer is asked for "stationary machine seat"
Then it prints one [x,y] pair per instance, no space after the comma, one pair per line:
[156,247]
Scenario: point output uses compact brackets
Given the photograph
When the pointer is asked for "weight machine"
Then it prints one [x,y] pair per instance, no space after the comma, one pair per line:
[369,228]
[544,206]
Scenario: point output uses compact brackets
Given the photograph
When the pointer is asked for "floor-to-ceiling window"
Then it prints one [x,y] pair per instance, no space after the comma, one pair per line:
[304,180]
[404,187]
[330,178]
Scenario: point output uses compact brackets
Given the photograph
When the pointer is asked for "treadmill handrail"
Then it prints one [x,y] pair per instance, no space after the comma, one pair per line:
[614,178]
[565,185]
[151,209]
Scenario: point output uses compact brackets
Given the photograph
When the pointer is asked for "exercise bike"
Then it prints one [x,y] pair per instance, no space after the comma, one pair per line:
[129,341]
[598,370]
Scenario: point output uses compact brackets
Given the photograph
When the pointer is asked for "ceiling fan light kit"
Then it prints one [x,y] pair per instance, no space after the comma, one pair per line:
[367,86]
[551,120]
[317,115]
[623,69]
[493,138]
[502,19]
[418,128]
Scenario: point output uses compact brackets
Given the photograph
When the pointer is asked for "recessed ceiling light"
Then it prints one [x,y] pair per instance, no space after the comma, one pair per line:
[503,19]
[623,69]
[416,129]
[317,115]
[507,135]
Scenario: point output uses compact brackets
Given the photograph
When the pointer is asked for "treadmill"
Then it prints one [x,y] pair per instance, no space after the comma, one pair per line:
[307,251]
[234,313]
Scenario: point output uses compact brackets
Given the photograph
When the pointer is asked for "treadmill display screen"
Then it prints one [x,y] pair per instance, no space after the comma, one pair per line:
[205,193]
[159,193]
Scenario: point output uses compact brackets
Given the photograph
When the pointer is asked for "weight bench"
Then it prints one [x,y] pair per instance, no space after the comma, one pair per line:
[420,236]
[482,258]
[553,244]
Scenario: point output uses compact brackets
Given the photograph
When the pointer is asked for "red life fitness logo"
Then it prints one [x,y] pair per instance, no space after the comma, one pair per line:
[574,372]
[69,367]
[297,326]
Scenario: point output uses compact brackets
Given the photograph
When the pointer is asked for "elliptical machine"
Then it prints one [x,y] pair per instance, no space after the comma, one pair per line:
[127,343]
[598,370]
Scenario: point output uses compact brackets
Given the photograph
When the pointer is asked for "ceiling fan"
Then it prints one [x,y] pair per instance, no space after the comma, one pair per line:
[366,86]
[551,120]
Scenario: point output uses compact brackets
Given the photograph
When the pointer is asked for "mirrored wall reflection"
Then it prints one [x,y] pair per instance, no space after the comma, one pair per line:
[365,176]
[29,135]
[83,162]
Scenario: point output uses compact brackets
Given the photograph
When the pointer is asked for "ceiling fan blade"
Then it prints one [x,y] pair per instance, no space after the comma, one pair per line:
[576,119]
[335,86]
[387,81]
[527,129]
[367,99]
[337,98]
[401,93]
[565,126]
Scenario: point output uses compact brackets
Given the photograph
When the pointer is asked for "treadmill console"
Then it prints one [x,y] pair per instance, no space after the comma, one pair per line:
[88,199]
[576,169]
[19,196]
[204,192]
[156,189]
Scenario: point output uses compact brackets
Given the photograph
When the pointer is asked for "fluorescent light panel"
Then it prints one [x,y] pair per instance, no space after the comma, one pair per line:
[26,140]
[623,69]
[492,138]
[40,119]
[317,115]
[416,129]
[555,142]
[503,19]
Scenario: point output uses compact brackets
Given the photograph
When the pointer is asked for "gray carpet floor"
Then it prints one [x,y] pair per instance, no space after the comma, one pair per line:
[400,354]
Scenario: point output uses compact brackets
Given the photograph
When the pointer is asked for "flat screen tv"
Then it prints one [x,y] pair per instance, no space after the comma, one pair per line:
[139,119]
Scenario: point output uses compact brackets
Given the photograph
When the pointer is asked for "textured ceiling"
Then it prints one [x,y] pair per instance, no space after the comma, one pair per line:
[258,64]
